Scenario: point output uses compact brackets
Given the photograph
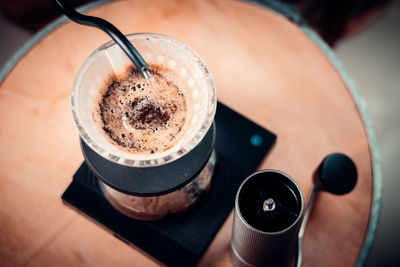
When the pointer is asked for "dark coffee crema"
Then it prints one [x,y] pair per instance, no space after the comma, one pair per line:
[141,116]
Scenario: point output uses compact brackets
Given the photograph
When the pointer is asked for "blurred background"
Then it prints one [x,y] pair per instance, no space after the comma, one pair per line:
[365,36]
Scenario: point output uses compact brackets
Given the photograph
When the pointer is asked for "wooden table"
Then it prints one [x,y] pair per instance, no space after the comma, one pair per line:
[265,67]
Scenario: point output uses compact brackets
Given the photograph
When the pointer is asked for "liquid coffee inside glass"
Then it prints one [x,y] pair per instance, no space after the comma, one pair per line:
[145,117]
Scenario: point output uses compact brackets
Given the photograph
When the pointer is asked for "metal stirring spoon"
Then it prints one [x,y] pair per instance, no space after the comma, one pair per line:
[112,31]
[337,174]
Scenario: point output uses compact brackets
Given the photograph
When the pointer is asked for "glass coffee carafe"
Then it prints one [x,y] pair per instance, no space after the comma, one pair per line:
[148,186]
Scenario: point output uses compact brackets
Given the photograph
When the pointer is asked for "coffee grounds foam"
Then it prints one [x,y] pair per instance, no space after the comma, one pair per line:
[141,116]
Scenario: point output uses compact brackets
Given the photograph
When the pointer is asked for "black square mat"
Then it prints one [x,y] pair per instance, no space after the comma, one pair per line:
[181,240]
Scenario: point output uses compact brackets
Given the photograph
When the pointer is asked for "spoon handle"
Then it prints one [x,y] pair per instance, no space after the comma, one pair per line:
[112,31]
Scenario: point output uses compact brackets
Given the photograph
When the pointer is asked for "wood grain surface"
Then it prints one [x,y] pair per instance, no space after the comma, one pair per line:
[264,66]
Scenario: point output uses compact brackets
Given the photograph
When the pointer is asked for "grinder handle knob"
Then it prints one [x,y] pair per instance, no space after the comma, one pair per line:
[337,174]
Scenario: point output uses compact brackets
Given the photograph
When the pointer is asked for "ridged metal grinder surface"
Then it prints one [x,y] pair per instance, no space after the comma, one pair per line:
[251,247]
